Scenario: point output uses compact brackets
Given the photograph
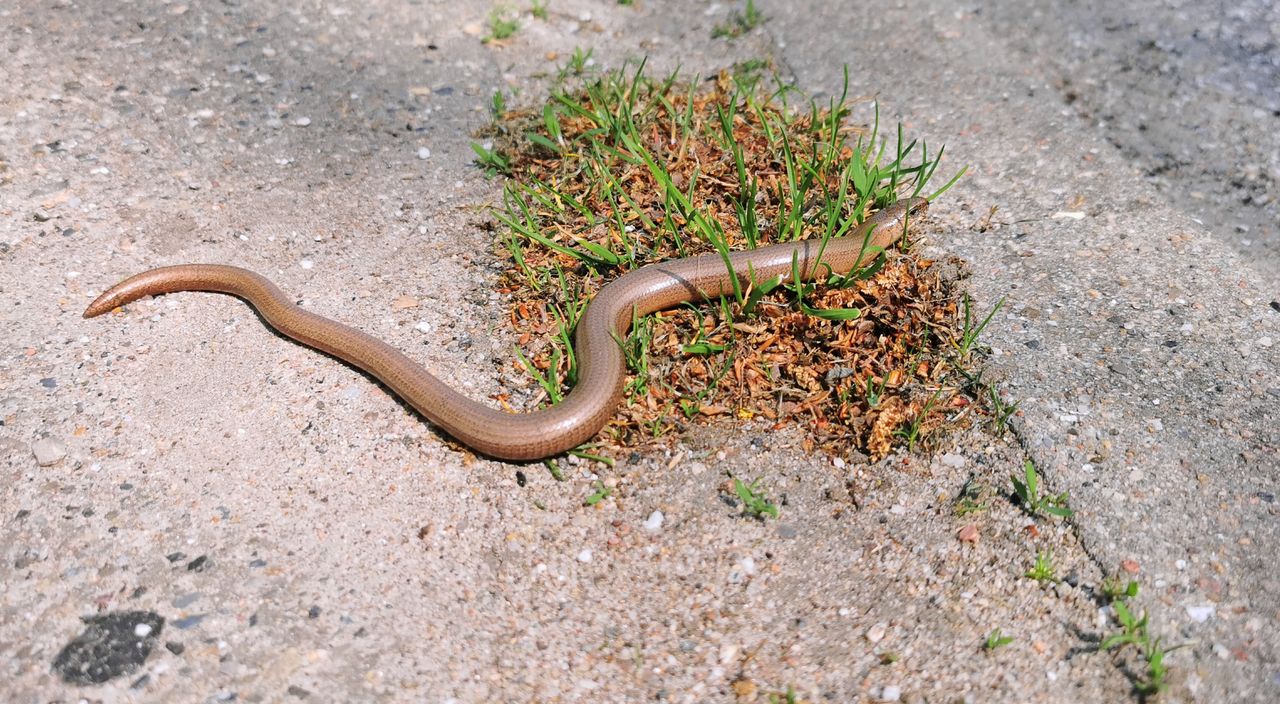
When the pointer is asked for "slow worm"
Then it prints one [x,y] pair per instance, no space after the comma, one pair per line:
[601,364]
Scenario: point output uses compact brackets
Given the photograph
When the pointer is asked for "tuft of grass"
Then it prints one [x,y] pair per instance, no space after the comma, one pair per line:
[911,431]
[1001,410]
[995,639]
[1043,570]
[739,23]
[971,329]
[1027,489]
[503,24]
[754,503]
[538,8]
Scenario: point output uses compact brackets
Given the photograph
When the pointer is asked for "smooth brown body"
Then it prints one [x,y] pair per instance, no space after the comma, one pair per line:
[601,364]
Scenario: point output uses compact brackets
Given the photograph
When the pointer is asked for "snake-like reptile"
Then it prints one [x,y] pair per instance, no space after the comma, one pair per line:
[601,363]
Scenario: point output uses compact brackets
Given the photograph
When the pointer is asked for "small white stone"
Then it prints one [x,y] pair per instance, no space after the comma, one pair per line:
[1264,342]
[837,462]
[1200,614]
[424,153]
[1181,564]
[585,555]
[142,630]
[306,263]
[891,693]
[422,326]
[654,522]
[876,633]
[48,451]
[302,121]
[953,460]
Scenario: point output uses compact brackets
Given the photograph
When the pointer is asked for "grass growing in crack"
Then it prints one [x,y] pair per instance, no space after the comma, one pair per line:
[1027,489]
[620,169]
[739,23]
[995,639]
[1135,631]
[1043,569]
[754,503]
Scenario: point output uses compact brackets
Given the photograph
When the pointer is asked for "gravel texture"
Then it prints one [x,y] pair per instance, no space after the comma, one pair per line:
[194,509]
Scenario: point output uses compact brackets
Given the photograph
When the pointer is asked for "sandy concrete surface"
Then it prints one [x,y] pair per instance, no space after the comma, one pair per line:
[241,519]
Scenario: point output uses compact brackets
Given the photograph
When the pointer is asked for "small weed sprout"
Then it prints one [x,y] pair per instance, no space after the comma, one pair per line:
[490,160]
[970,498]
[1027,490]
[538,9]
[1115,589]
[740,23]
[1001,410]
[502,24]
[1043,569]
[754,503]
[996,639]
[968,341]
[601,493]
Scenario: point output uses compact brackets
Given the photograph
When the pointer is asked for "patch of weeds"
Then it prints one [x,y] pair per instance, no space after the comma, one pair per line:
[502,24]
[995,639]
[754,503]
[1043,570]
[787,697]
[538,8]
[970,498]
[620,169]
[1134,631]
[1027,490]
[739,23]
